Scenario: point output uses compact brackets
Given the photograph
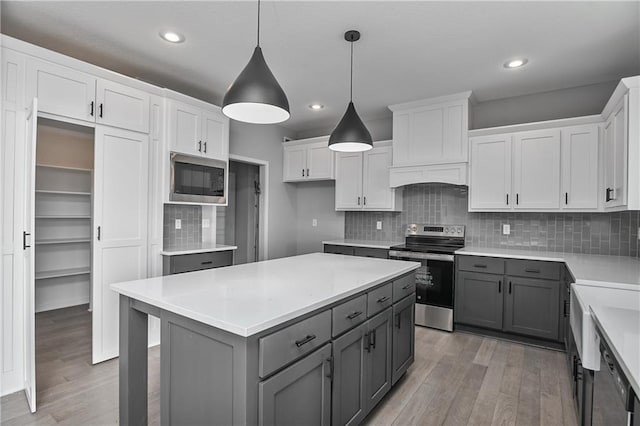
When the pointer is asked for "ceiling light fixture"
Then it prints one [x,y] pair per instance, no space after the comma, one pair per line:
[255,96]
[316,107]
[516,63]
[172,36]
[350,135]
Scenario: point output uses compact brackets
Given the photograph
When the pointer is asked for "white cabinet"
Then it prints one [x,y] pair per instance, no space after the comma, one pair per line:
[536,169]
[362,180]
[122,106]
[198,131]
[490,186]
[308,159]
[615,155]
[432,131]
[580,167]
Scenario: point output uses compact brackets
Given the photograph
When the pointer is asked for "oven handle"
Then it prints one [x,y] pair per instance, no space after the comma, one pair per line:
[393,254]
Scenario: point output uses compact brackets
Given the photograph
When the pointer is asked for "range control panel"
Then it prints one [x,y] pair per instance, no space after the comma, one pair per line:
[436,230]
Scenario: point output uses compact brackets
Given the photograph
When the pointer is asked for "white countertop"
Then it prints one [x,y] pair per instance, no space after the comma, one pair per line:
[364,243]
[610,271]
[197,248]
[250,298]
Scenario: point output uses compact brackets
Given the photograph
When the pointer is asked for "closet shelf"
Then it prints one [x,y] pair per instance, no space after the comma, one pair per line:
[63,241]
[63,217]
[46,191]
[63,273]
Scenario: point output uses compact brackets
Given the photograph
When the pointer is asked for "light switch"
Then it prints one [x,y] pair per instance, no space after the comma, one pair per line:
[379,225]
[314,222]
[178,224]
[205,223]
[506,229]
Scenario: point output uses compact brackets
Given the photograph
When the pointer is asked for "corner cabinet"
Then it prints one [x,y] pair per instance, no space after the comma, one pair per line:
[308,160]
[362,180]
[198,130]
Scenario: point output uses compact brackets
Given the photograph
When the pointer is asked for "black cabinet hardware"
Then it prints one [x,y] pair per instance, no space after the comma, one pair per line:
[91,112]
[305,340]
[354,315]
[208,262]
[479,265]
[364,201]
[382,299]
[308,173]
[532,271]
[407,287]
[205,147]
[566,198]
[98,233]
[608,194]
[100,108]
[367,341]
[517,198]
[566,309]
[509,287]
[302,172]
[199,146]
[24,240]
[507,199]
[372,338]
[398,320]
[499,286]
[358,200]
[329,368]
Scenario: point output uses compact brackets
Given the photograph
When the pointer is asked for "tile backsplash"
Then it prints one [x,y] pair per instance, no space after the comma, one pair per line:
[191,221]
[591,233]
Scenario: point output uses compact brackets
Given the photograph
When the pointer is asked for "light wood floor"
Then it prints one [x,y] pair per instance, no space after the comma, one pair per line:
[457,379]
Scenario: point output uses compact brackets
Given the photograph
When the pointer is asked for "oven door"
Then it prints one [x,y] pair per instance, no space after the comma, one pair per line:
[197,180]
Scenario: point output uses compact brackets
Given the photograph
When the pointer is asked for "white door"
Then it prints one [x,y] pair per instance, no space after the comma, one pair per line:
[349,181]
[294,163]
[120,227]
[215,135]
[580,167]
[29,259]
[490,180]
[184,128]
[536,169]
[615,156]
[376,193]
[122,106]
[320,160]
[61,91]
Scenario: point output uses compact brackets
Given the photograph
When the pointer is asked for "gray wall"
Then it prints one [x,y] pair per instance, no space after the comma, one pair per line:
[591,233]
[316,200]
[191,220]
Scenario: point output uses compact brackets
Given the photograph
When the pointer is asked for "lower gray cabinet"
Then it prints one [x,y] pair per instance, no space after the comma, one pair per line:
[300,394]
[478,299]
[403,337]
[179,264]
[378,374]
[531,307]
[349,370]
[336,249]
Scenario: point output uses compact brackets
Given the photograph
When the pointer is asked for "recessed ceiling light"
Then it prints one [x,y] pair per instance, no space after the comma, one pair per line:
[172,36]
[516,63]
[316,107]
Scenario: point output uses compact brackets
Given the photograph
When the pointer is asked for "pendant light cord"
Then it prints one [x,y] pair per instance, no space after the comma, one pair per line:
[258,36]
[351,78]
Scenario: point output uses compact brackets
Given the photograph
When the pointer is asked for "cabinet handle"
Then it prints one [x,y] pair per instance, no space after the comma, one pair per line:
[407,287]
[517,198]
[532,271]
[566,309]
[208,262]
[367,342]
[91,111]
[199,146]
[354,315]
[499,286]
[302,172]
[480,265]
[205,147]
[507,199]
[358,200]
[305,340]
[329,368]
[308,173]
[372,338]
[98,233]
[24,240]
[566,198]
[608,195]
[382,299]
[364,201]
[398,321]
[100,108]
[509,287]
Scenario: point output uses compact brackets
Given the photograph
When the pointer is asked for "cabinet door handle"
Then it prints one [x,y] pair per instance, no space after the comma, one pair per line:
[358,200]
[329,368]
[383,299]
[208,262]
[308,173]
[566,309]
[398,321]
[509,287]
[480,265]
[532,271]
[305,340]
[367,342]
[517,198]
[566,198]
[499,286]
[507,199]
[205,147]
[608,194]
[24,240]
[99,233]
[91,111]
[199,146]
[100,108]
[354,315]
[372,338]
[302,172]
[364,201]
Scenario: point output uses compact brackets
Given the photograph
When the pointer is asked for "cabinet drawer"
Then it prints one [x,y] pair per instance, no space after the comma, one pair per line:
[290,343]
[372,252]
[200,261]
[533,269]
[379,299]
[404,286]
[488,265]
[335,249]
[349,314]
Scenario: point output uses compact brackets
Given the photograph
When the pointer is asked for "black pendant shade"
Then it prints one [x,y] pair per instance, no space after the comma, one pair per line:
[350,135]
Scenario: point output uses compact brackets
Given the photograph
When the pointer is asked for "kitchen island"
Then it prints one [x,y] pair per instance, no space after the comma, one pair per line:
[312,339]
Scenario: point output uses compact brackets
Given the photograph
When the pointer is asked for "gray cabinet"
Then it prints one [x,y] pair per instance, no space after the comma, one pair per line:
[300,394]
[196,262]
[531,307]
[403,337]
[336,249]
[479,299]
[379,253]
[348,394]
[378,374]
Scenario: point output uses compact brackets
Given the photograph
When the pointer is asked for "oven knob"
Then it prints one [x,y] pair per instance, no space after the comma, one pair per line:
[459,230]
[446,230]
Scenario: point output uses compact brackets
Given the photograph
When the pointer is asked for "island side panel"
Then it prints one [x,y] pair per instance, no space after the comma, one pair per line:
[203,374]
[132,364]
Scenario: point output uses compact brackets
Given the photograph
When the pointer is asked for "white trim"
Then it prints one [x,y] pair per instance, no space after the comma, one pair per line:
[264,201]
[462,96]
[537,125]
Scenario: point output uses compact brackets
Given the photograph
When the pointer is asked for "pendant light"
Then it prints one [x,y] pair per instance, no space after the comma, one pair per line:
[255,96]
[350,135]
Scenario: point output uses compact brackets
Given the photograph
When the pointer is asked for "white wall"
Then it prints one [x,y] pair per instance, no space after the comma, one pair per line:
[316,200]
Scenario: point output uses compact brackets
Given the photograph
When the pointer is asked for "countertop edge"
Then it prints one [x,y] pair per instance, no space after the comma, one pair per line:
[179,252]
[365,244]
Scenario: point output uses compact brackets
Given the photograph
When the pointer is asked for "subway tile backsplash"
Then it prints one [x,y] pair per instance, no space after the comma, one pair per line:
[613,234]
[191,220]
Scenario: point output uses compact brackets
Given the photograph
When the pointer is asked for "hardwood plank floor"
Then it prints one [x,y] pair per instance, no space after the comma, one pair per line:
[457,379]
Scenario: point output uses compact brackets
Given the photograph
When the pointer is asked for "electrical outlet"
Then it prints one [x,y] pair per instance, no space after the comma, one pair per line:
[205,223]
[379,225]
[506,229]
[178,224]
[314,222]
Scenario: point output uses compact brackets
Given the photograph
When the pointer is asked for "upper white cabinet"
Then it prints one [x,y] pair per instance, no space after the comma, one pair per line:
[362,180]
[432,131]
[536,169]
[122,106]
[198,131]
[490,170]
[580,167]
[308,159]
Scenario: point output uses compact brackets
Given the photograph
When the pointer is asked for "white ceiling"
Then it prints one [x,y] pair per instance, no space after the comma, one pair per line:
[408,50]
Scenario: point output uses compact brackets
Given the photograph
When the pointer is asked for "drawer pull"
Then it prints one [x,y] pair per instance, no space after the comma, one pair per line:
[354,315]
[479,265]
[398,321]
[532,271]
[407,287]
[306,340]
[382,299]
[208,262]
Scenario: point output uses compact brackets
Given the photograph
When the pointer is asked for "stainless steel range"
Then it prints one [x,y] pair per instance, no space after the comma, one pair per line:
[434,247]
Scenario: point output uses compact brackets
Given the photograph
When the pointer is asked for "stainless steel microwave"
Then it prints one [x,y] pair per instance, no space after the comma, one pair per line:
[197,180]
